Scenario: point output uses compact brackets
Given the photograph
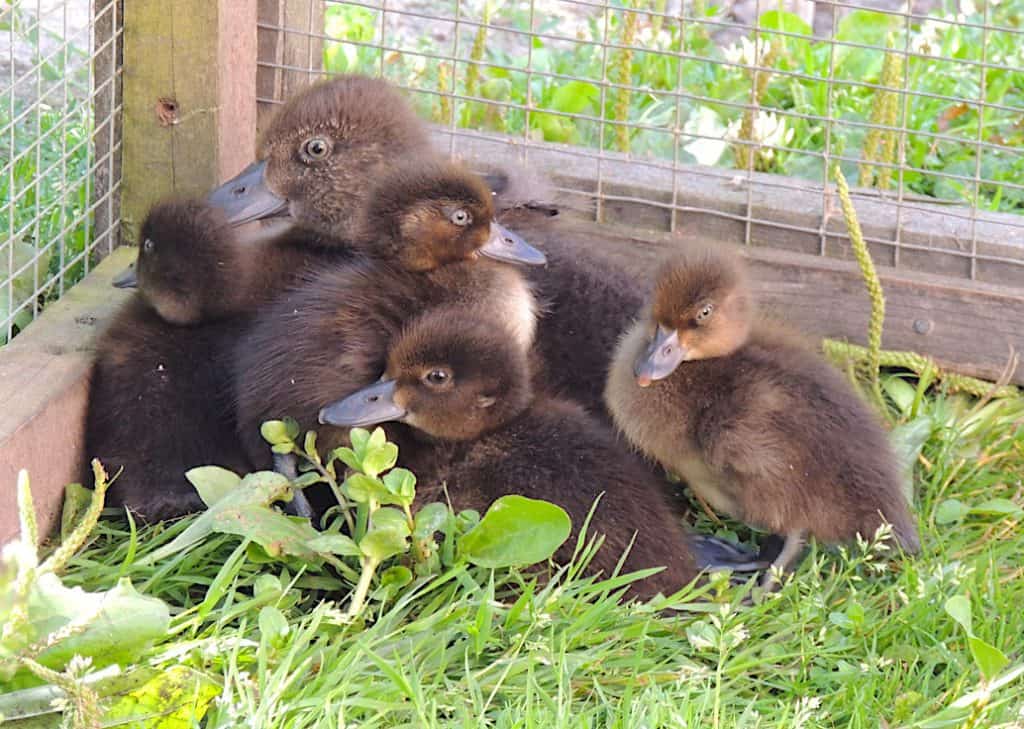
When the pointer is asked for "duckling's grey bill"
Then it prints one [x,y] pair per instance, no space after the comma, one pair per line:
[246,196]
[505,245]
[370,406]
[126,279]
[661,358]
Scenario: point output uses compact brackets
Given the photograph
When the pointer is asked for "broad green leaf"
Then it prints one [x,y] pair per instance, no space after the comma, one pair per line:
[177,698]
[430,518]
[283,448]
[257,489]
[516,531]
[379,458]
[212,482]
[274,432]
[377,439]
[387,536]
[359,437]
[497,89]
[273,625]
[959,608]
[76,502]
[402,483]
[989,659]
[307,479]
[786,22]
[346,456]
[396,577]
[951,511]
[119,624]
[309,445]
[574,97]
[361,488]
[277,533]
[900,392]
[335,544]
[998,507]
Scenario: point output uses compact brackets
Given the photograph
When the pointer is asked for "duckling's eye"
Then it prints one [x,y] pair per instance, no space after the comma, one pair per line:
[437,378]
[148,245]
[703,314]
[316,148]
[461,217]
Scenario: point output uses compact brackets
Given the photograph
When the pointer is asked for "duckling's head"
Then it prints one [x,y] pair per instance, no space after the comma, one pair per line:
[701,308]
[183,260]
[316,157]
[426,213]
[450,375]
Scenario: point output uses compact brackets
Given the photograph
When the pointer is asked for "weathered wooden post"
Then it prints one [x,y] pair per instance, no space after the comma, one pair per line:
[189,98]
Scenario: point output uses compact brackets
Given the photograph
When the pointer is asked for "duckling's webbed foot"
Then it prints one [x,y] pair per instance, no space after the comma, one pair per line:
[786,560]
[714,553]
[288,466]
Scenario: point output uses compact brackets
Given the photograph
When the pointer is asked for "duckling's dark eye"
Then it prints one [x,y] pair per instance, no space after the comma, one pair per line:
[461,217]
[148,245]
[703,314]
[437,378]
[316,149]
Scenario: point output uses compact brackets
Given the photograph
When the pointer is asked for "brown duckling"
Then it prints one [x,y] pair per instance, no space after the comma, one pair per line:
[429,237]
[317,158]
[459,380]
[158,402]
[759,426]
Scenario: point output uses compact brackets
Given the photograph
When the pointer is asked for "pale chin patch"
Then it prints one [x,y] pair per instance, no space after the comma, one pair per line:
[263,231]
[520,308]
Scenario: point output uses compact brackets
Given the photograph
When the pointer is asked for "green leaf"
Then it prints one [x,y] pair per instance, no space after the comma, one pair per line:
[76,502]
[273,625]
[429,519]
[989,659]
[309,446]
[959,608]
[362,488]
[379,458]
[283,448]
[177,698]
[997,507]
[401,482]
[574,97]
[951,511]
[900,392]
[377,439]
[307,479]
[359,437]
[516,531]
[346,456]
[396,577]
[212,482]
[275,432]
[387,536]
[119,623]
[257,489]
[277,533]
[907,441]
[335,544]
[786,22]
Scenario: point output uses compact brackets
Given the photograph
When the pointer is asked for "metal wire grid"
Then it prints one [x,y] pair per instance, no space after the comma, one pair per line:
[432,50]
[60,111]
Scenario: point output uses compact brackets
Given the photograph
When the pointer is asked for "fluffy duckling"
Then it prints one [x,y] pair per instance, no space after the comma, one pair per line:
[429,237]
[320,152]
[460,380]
[160,390]
[760,427]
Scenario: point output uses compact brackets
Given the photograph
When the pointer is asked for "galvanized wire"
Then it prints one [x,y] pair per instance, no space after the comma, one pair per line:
[418,44]
[60,147]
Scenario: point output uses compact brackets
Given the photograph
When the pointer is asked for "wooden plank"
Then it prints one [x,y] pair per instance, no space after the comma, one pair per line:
[189,81]
[289,38]
[44,375]
[969,329]
[785,213]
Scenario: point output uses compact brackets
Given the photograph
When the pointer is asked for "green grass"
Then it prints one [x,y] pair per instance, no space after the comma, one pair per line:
[943,69]
[855,638]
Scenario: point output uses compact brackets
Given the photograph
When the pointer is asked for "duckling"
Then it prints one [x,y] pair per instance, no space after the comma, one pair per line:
[318,154]
[759,426]
[427,236]
[457,378]
[158,397]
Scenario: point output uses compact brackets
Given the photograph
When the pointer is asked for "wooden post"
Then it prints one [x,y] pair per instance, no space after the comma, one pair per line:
[291,49]
[189,99]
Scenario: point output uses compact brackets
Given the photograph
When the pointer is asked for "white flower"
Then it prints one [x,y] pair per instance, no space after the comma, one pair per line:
[747,52]
[928,41]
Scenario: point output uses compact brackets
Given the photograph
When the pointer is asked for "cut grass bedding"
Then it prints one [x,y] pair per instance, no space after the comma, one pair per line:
[856,638]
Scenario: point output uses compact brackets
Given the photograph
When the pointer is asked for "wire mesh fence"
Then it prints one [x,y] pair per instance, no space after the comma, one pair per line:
[59,148]
[738,111]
